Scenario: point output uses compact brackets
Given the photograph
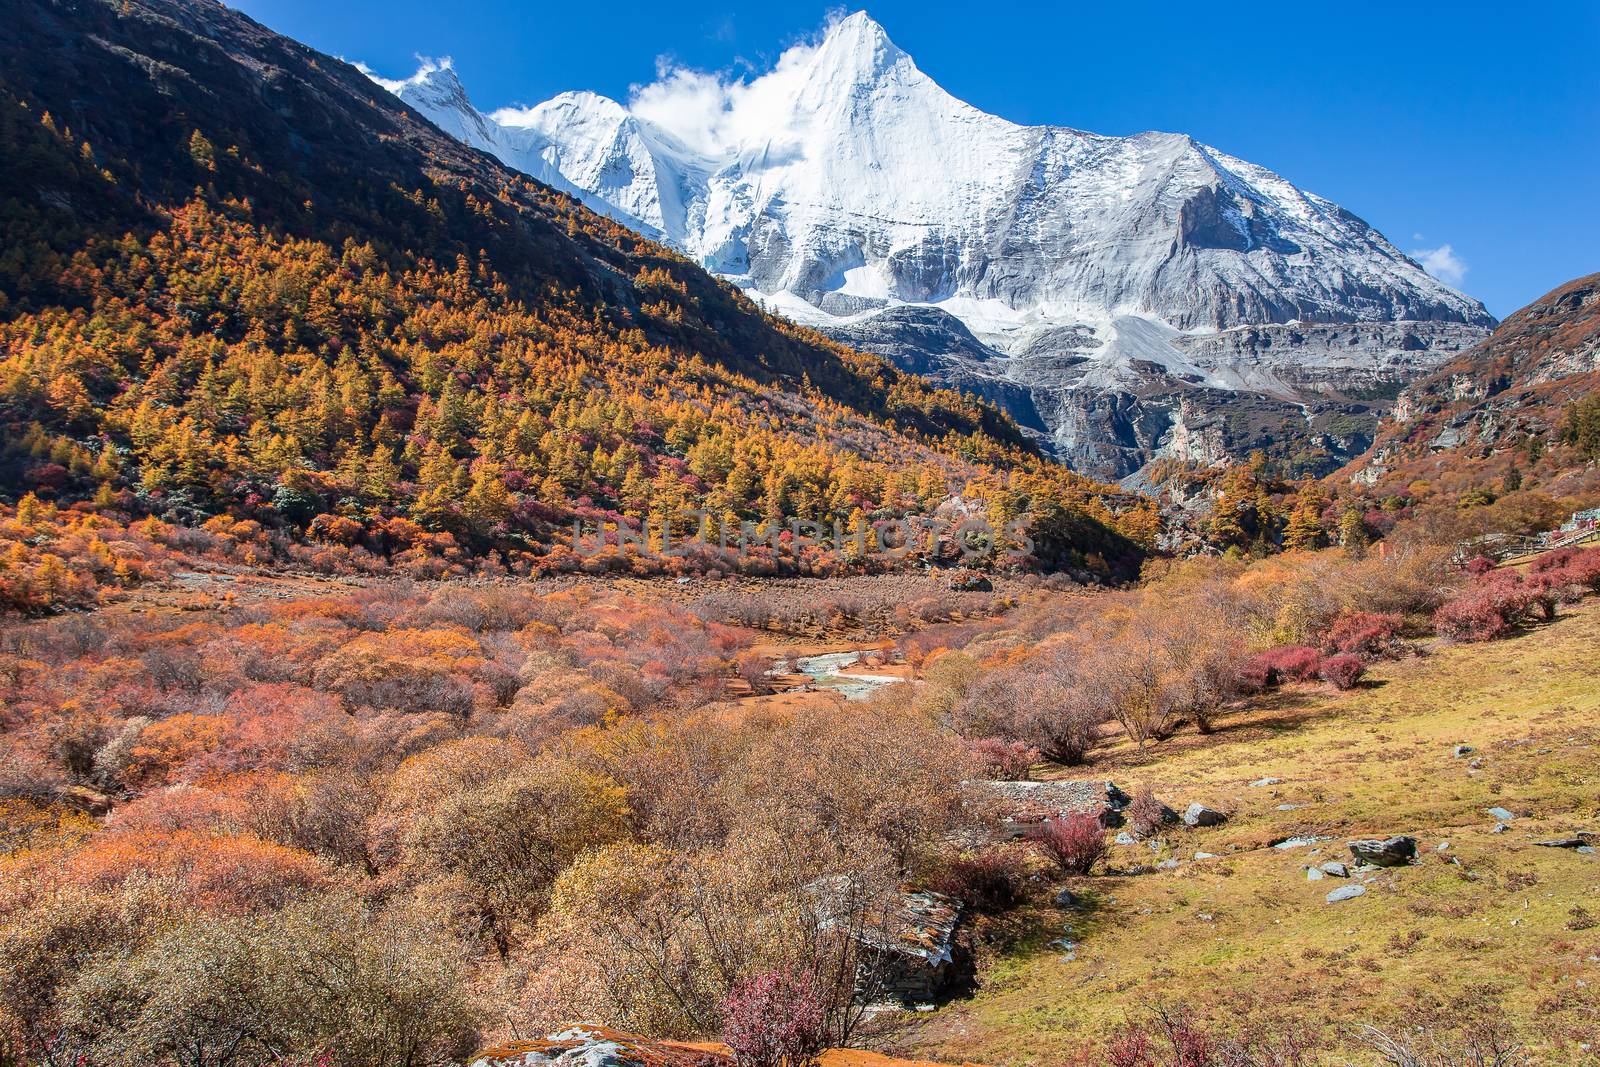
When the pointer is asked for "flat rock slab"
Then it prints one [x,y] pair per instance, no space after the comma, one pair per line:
[1581,839]
[1346,892]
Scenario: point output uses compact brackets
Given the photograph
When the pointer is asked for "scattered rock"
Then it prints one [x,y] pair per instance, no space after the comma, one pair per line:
[1298,842]
[1346,892]
[1335,868]
[1289,807]
[1499,828]
[1314,874]
[1262,783]
[1205,855]
[970,582]
[1501,813]
[1464,750]
[1167,865]
[1066,899]
[1200,815]
[1581,839]
[82,798]
[1476,764]
[1388,852]
[1125,838]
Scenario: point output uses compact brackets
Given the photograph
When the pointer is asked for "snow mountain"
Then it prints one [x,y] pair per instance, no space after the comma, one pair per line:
[1125,298]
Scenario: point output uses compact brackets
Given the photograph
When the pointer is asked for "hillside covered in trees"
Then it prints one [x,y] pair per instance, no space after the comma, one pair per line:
[240,280]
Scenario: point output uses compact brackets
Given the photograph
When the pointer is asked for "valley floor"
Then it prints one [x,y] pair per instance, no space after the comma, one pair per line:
[1486,917]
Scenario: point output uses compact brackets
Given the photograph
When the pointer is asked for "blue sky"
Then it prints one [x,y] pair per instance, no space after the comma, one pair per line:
[1472,125]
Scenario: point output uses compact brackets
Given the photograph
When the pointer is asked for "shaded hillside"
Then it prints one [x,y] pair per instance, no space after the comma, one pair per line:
[240,277]
[1509,413]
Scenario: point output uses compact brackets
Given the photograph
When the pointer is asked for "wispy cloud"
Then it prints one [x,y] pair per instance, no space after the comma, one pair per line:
[711,111]
[425,67]
[1442,263]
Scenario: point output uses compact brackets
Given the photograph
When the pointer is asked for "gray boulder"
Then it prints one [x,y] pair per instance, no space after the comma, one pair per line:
[1501,813]
[1065,899]
[1335,868]
[1346,892]
[1200,815]
[1387,852]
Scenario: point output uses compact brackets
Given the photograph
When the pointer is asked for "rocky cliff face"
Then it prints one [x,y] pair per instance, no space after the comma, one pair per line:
[1515,386]
[1072,259]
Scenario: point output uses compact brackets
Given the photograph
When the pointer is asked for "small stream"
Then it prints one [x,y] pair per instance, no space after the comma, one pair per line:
[828,671]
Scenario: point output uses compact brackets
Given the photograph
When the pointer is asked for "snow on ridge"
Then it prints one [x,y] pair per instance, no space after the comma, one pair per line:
[845,180]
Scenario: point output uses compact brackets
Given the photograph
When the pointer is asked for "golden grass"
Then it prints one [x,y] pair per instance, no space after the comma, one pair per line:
[1247,933]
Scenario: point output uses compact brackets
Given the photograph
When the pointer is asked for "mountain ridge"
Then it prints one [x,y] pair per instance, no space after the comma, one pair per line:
[868,186]
[243,281]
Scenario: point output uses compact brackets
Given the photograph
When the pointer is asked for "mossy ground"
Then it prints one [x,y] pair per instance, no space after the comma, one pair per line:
[1491,916]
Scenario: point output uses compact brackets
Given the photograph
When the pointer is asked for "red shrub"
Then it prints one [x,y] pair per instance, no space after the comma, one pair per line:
[989,881]
[1275,666]
[1578,570]
[1173,1037]
[1344,670]
[1554,561]
[1075,843]
[1585,569]
[1363,633]
[1480,565]
[995,757]
[1486,610]
[775,1020]
[1547,591]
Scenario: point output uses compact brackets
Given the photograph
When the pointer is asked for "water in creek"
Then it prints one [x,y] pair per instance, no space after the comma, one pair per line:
[828,671]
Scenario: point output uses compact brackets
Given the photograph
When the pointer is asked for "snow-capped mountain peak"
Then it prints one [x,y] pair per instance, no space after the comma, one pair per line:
[845,181]
[435,91]
[855,52]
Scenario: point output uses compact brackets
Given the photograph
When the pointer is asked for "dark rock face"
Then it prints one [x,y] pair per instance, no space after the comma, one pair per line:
[937,345]
[1386,852]
[1310,394]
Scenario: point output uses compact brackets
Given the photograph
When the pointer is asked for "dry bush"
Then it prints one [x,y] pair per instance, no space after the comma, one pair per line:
[990,881]
[998,759]
[1147,815]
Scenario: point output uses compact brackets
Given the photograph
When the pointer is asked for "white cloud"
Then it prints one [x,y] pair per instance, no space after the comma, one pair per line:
[425,67]
[712,112]
[1442,263]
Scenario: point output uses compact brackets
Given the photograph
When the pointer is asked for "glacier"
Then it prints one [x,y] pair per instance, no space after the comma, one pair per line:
[1124,298]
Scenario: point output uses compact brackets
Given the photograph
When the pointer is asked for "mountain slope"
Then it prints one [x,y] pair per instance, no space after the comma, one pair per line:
[1096,265]
[241,278]
[1505,405]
